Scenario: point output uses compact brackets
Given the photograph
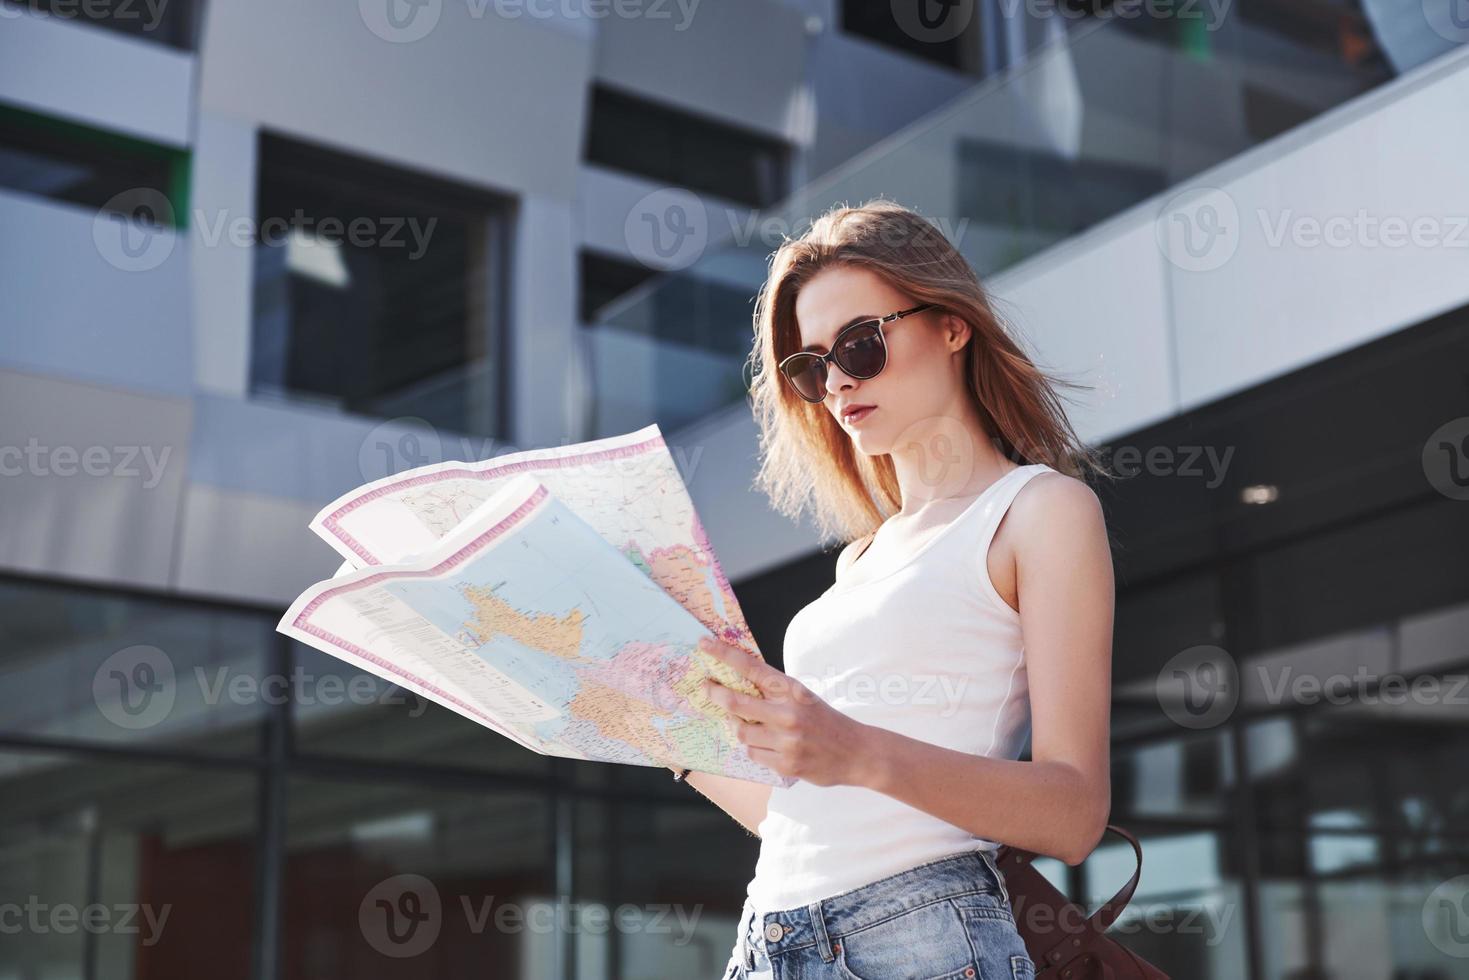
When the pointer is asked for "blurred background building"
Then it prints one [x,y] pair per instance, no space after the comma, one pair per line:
[253,254]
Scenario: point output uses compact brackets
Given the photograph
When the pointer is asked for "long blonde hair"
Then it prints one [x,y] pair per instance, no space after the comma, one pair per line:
[806,459]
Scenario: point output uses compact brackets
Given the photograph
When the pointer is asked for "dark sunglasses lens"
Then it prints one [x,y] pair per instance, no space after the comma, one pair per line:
[861,352]
[808,376]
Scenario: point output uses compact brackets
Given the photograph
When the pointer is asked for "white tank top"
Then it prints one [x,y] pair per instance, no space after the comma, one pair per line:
[927,648]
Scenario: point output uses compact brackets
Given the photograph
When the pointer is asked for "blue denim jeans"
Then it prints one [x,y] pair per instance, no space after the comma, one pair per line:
[949,918]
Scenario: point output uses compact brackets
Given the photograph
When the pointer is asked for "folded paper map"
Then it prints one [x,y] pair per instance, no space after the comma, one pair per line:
[627,487]
[568,624]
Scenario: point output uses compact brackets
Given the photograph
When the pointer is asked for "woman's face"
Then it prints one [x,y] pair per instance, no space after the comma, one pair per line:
[922,374]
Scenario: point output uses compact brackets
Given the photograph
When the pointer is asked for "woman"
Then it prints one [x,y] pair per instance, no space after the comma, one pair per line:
[972,607]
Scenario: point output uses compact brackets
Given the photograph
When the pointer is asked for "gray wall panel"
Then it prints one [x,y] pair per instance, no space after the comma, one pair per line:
[90,479]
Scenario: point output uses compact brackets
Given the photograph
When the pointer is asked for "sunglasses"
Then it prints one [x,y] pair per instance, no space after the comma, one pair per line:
[858,349]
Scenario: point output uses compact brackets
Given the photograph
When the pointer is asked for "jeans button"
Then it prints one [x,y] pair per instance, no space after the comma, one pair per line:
[773,932]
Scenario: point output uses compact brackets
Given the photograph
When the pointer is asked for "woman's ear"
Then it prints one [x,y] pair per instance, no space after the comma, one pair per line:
[956,331]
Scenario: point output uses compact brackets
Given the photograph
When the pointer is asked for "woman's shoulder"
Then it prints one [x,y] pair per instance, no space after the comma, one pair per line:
[1056,488]
[1051,500]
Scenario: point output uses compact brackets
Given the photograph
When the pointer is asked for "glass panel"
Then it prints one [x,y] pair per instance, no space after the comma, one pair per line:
[657,141]
[66,162]
[1181,777]
[123,869]
[1373,767]
[1186,916]
[1352,905]
[1028,159]
[603,278]
[396,880]
[879,22]
[341,711]
[1163,641]
[169,22]
[1363,855]
[377,290]
[672,879]
[95,667]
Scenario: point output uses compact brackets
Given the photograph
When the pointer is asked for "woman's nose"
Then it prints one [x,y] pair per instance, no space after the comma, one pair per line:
[836,379]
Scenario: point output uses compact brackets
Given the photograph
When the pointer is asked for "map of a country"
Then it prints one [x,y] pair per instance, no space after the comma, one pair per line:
[560,636]
[681,573]
[673,723]
[621,717]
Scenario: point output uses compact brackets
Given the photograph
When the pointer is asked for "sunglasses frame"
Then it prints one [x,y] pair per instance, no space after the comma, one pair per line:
[830,356]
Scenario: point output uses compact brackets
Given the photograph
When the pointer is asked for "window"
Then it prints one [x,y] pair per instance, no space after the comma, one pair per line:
[92,168]
[1327,790]
[1268,114]
[211,798]
[378,290]
[634,135]
[170,22]
[155,858]
[604,278]
[153,670]
[1012,186]
[875,21]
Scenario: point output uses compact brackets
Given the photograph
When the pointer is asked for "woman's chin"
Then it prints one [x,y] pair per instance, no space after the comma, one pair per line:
[869,444]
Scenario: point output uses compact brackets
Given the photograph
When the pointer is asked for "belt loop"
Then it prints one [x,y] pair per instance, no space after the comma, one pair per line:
[989,859]
[747,923]
[818,926]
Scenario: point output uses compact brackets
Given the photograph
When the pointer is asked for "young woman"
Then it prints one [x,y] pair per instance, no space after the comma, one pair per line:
[972,608]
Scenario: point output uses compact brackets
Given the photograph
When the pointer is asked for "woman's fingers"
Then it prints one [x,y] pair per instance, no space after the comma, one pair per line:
[735,668]
[746,706]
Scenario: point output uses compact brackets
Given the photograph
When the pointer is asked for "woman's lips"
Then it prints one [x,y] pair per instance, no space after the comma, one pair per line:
[859,415]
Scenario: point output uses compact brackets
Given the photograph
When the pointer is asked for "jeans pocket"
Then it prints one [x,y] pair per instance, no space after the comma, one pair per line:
[998,946]
[999,876]
[929,942]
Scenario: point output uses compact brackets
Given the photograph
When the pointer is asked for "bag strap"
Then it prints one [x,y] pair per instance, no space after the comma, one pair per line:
[1105,915]
[1100,920]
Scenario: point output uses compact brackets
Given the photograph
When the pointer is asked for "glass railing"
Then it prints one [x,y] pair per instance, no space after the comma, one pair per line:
[1099,119]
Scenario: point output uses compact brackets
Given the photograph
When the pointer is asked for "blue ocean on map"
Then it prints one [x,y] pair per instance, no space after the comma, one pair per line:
[537,576]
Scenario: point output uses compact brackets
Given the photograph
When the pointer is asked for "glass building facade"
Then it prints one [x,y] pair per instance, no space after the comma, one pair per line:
[1289,718]
[184,792]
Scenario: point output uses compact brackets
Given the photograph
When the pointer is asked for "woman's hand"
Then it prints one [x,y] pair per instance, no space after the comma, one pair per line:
[789,729]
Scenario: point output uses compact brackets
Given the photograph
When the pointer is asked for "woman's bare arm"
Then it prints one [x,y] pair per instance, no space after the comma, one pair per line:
[745,801]
[1058,803]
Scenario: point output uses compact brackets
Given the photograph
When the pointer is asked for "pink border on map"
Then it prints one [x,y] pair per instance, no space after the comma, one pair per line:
[332,522]
[457,558]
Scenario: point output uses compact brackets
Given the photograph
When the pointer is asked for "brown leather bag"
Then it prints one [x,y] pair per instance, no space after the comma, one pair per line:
[1062,942]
